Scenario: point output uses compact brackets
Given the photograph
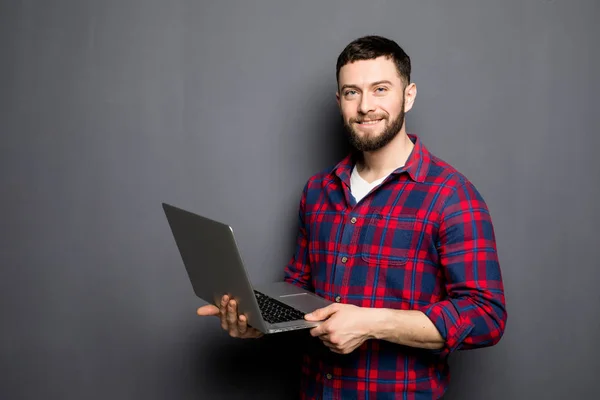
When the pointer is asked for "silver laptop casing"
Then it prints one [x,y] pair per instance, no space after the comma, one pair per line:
[214,266]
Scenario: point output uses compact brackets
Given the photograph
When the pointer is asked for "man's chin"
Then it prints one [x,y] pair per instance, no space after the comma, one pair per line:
[361,144]
[367,133]
[369,142]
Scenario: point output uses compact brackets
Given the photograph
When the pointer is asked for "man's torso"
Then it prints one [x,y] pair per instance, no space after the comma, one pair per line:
[380,252]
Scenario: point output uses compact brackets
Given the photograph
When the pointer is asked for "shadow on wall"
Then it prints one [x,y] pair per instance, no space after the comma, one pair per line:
[320,124]
[335,145]
[310,139]
[267,368]
[331,143]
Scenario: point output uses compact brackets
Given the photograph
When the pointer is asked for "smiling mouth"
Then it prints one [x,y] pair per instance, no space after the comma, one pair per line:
[369,122]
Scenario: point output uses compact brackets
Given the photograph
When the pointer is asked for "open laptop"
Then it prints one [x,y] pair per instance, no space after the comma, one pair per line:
[214,265]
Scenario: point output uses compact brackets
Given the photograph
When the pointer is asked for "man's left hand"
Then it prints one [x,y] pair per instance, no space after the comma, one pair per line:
[345,326]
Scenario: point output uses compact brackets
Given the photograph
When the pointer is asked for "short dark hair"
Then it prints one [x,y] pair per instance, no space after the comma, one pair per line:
[371,47]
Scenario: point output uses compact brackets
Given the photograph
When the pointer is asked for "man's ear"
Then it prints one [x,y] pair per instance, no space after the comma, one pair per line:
[410,93]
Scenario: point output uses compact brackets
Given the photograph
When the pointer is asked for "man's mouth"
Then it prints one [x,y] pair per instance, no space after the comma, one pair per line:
[368,122]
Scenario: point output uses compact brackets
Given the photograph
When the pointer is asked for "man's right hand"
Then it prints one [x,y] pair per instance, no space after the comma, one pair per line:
[236,326]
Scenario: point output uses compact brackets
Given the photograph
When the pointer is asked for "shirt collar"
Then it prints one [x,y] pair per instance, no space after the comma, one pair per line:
[416,166]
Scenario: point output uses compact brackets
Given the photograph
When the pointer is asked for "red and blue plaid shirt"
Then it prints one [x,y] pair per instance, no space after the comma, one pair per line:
[421,240]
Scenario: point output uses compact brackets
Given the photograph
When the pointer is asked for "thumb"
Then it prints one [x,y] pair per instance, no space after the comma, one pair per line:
[321,313]
[208,310]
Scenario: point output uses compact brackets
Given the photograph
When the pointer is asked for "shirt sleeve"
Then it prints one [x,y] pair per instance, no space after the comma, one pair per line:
[473,315]
[298,271]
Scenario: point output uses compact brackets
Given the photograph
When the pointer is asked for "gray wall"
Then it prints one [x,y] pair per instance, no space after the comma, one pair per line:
[108,108]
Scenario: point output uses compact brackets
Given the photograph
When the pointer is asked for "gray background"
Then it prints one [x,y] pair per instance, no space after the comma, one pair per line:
[108,108]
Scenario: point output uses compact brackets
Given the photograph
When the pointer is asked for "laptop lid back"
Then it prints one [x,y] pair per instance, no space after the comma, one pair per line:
[212,260]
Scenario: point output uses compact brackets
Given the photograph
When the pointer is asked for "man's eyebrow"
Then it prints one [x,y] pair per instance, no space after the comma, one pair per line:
[381,83]
[344,87]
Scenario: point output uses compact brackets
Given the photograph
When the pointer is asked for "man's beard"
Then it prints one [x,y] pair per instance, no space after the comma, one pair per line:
[374,143]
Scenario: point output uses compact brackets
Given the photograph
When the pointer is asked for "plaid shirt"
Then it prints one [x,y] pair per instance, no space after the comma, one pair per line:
[422,240]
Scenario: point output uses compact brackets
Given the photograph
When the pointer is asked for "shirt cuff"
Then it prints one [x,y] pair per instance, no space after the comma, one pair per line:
[452,327]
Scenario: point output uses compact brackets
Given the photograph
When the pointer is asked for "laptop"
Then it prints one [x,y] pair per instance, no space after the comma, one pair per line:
[214,266]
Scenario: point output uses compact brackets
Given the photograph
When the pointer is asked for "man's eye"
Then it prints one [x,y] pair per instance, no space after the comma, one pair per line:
[350,92]
[381,89]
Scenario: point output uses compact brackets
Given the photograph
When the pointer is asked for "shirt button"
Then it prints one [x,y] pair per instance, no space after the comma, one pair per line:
[328,376]
[338,298]
[353,220]
[344,259]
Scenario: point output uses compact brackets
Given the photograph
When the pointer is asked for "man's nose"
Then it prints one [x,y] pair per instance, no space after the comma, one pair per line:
[366,104]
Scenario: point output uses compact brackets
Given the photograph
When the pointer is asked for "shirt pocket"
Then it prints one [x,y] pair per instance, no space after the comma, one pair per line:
[387,240]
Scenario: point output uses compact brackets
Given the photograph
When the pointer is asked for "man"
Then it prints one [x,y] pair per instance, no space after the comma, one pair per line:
[401,241]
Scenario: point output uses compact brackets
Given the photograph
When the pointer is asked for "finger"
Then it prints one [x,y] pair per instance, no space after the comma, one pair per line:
[253,333]
[232,317]
[242,324]
[325,338]
[332,347]
[224,300]
[223,311]
[322,313]
[208,310]
[320,330]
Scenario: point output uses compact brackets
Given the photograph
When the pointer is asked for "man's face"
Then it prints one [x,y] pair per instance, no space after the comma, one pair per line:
[371,99]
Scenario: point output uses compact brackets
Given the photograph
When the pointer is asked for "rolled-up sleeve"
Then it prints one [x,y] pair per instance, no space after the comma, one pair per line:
[473,315]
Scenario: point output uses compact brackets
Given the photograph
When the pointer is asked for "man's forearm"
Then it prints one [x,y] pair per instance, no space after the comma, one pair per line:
[406,327]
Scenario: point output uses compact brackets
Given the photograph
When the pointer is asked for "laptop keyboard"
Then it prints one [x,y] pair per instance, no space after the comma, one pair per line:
[274,311]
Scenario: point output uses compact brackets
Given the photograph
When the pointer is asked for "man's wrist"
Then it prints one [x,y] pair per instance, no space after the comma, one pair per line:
[381,323]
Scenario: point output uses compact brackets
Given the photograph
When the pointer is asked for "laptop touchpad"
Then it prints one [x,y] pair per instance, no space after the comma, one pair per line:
[303,301]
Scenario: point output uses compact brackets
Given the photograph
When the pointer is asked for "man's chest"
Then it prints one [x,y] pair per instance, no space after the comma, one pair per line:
[376,251]
[388,224]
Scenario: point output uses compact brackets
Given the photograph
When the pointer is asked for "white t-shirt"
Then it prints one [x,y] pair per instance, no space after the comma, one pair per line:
[359,187]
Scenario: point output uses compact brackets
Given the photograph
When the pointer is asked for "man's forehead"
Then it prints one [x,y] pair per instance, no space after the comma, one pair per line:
[369,71]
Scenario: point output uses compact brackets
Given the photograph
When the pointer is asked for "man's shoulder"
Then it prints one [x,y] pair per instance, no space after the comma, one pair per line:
[449,179]
[443,173]
[322,177]
[317,184]
[325,174]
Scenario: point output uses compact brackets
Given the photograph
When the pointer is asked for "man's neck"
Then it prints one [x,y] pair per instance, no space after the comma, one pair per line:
[380,163]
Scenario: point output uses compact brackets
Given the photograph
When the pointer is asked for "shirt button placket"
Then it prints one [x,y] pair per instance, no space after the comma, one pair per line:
[344,260]
[328,387]
[346,239]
